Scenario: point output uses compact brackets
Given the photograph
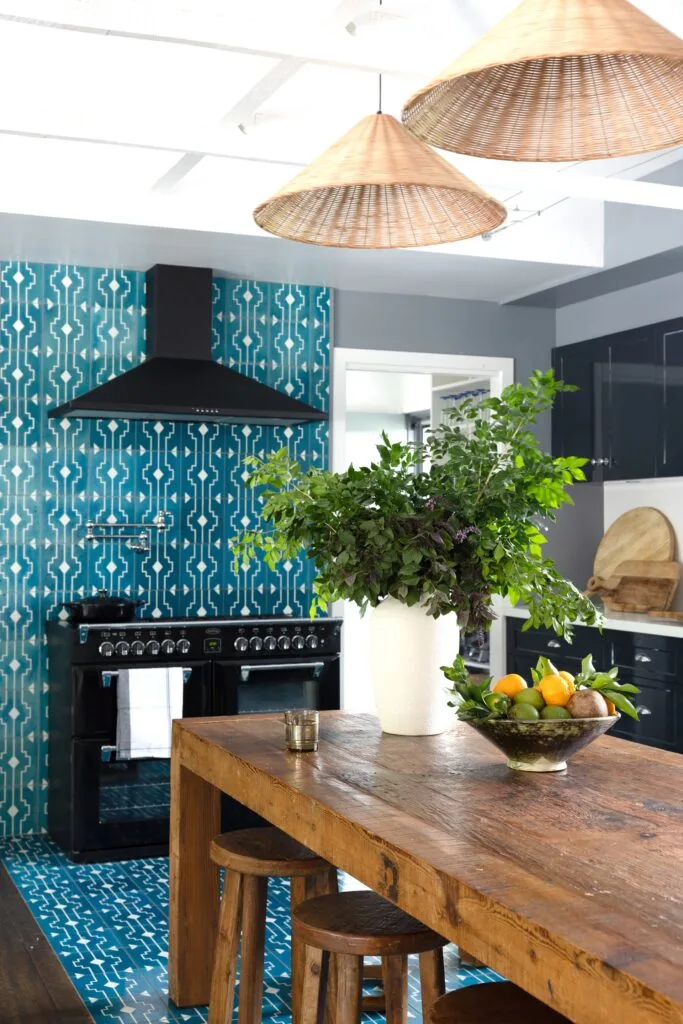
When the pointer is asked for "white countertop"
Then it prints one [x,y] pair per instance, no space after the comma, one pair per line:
[626,622]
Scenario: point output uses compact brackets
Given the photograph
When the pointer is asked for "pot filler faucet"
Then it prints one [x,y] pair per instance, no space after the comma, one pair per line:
[137,541]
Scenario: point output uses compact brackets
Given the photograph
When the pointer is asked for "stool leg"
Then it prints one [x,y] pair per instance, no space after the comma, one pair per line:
[396,988]
[253,947]
[227,947]
[312,990]
[432,980]
[349,975]
[298,893]
[330,1005]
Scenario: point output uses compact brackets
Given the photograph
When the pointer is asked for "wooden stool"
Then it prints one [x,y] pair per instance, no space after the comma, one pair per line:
[349,926]
[250,857]
[493,1003]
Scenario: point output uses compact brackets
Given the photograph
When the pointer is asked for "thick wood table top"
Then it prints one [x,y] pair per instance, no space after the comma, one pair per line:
[569,884]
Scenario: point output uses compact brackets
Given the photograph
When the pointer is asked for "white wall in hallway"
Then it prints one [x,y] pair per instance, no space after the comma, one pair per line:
[665,495]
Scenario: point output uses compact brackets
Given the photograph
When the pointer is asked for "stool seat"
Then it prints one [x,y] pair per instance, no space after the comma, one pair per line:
[337,931]
[266,853]
[361,923]
[499,1002]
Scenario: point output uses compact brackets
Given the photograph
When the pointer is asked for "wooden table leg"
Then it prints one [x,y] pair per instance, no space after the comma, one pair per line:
[193,902]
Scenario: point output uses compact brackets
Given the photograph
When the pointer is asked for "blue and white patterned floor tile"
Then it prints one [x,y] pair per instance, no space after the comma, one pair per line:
[108,925]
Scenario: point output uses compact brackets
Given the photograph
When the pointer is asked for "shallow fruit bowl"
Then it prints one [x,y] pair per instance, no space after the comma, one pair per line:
[543,746]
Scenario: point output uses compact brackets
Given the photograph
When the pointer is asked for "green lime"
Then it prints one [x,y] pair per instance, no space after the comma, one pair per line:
[523,713]
[497,702]
[532,696]
[553,711]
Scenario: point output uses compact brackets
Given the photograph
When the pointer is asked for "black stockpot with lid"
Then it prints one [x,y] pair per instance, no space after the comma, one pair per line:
[104,607]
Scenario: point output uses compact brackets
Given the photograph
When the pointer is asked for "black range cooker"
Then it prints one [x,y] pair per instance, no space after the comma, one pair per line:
[110,800]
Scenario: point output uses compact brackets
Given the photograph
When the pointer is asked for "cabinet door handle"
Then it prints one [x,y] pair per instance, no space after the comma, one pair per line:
[600,462]
[555,644]
[642,710]
[644,659]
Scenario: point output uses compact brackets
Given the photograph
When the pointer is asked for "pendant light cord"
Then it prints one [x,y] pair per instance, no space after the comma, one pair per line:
[380,83]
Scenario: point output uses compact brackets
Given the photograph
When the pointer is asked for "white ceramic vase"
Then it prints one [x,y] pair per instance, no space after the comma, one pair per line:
[407,648]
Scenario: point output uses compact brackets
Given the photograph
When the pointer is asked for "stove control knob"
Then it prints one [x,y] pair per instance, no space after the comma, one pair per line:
[284,643]
[312,641]
[152,647]
[241,644]
[106,649]
[270,643]
[122,648]
[167,646]
[298,642]
[137,648]
[183,647]
[256,643]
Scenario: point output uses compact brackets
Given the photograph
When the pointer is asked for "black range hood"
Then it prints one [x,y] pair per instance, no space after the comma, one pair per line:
[179,379]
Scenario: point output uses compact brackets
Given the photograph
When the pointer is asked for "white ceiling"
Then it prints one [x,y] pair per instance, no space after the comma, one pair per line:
[168,120]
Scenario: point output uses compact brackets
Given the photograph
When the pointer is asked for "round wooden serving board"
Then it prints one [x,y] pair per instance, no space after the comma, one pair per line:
[640,534]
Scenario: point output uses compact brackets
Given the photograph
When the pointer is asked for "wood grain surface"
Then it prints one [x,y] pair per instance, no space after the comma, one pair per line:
[568,884]
[642,534]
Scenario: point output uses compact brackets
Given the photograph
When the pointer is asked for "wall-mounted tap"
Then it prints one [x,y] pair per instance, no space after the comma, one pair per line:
[138,541]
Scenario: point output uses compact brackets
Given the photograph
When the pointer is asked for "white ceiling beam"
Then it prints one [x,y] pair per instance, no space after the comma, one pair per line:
[537,180]
[584,186]
[244,109]
[310,54]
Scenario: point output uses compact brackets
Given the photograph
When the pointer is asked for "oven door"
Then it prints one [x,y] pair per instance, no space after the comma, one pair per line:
[257,687]
[95,693]
[119,802]
[248,687]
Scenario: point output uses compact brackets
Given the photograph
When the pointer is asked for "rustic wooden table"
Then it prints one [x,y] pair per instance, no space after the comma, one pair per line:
[569,884]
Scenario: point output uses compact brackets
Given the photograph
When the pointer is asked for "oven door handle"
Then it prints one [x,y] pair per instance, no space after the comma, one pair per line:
[246,670]
[112,677]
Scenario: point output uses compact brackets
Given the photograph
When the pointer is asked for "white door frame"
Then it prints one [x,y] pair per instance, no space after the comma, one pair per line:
[500,372]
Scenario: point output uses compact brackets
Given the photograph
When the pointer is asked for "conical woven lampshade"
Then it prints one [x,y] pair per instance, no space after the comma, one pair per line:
[559,80]
[379,187]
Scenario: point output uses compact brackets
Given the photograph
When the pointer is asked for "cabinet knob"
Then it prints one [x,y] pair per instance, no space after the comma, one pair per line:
[643,710]
[600,462]
[554,644]
[644,659]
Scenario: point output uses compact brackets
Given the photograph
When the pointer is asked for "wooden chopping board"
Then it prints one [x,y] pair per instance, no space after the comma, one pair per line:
[641,534]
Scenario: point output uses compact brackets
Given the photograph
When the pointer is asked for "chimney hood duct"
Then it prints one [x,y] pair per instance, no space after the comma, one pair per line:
[179,379]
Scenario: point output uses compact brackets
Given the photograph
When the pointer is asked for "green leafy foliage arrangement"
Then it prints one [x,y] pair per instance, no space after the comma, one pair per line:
[451,537]
[475,700]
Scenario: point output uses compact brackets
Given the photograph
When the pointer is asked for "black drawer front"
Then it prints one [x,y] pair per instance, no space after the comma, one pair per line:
[658,707]
[545,641]
[646,655]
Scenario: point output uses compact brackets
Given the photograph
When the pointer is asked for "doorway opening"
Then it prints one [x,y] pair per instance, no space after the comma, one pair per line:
[405,395]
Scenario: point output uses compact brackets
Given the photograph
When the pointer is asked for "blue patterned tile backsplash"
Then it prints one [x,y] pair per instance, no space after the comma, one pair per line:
[63,330]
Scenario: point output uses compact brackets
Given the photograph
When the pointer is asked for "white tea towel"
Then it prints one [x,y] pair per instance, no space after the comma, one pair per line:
[148,701]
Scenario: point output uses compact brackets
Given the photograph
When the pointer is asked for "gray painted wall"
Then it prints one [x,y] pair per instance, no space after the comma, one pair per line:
[645,303]
[412,323]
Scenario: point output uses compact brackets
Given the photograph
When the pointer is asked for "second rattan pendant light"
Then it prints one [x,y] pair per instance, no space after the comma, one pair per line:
[559,80]
[379,187]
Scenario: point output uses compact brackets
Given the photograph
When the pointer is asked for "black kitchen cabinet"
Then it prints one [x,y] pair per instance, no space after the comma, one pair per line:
[627,417]
[652,663]
[670,342]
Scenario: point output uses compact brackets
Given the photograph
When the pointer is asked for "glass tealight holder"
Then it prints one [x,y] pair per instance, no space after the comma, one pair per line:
[302,730]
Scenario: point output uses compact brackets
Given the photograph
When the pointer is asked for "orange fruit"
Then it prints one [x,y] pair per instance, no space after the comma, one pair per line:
[611,708]
[555,690]
[509,685]
[568,678]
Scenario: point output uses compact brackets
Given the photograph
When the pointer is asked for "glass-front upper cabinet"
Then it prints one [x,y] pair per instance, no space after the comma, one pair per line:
[627,416]
[670,341]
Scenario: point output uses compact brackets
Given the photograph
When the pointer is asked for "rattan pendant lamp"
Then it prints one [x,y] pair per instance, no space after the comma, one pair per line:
[558,80]
[379,187]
